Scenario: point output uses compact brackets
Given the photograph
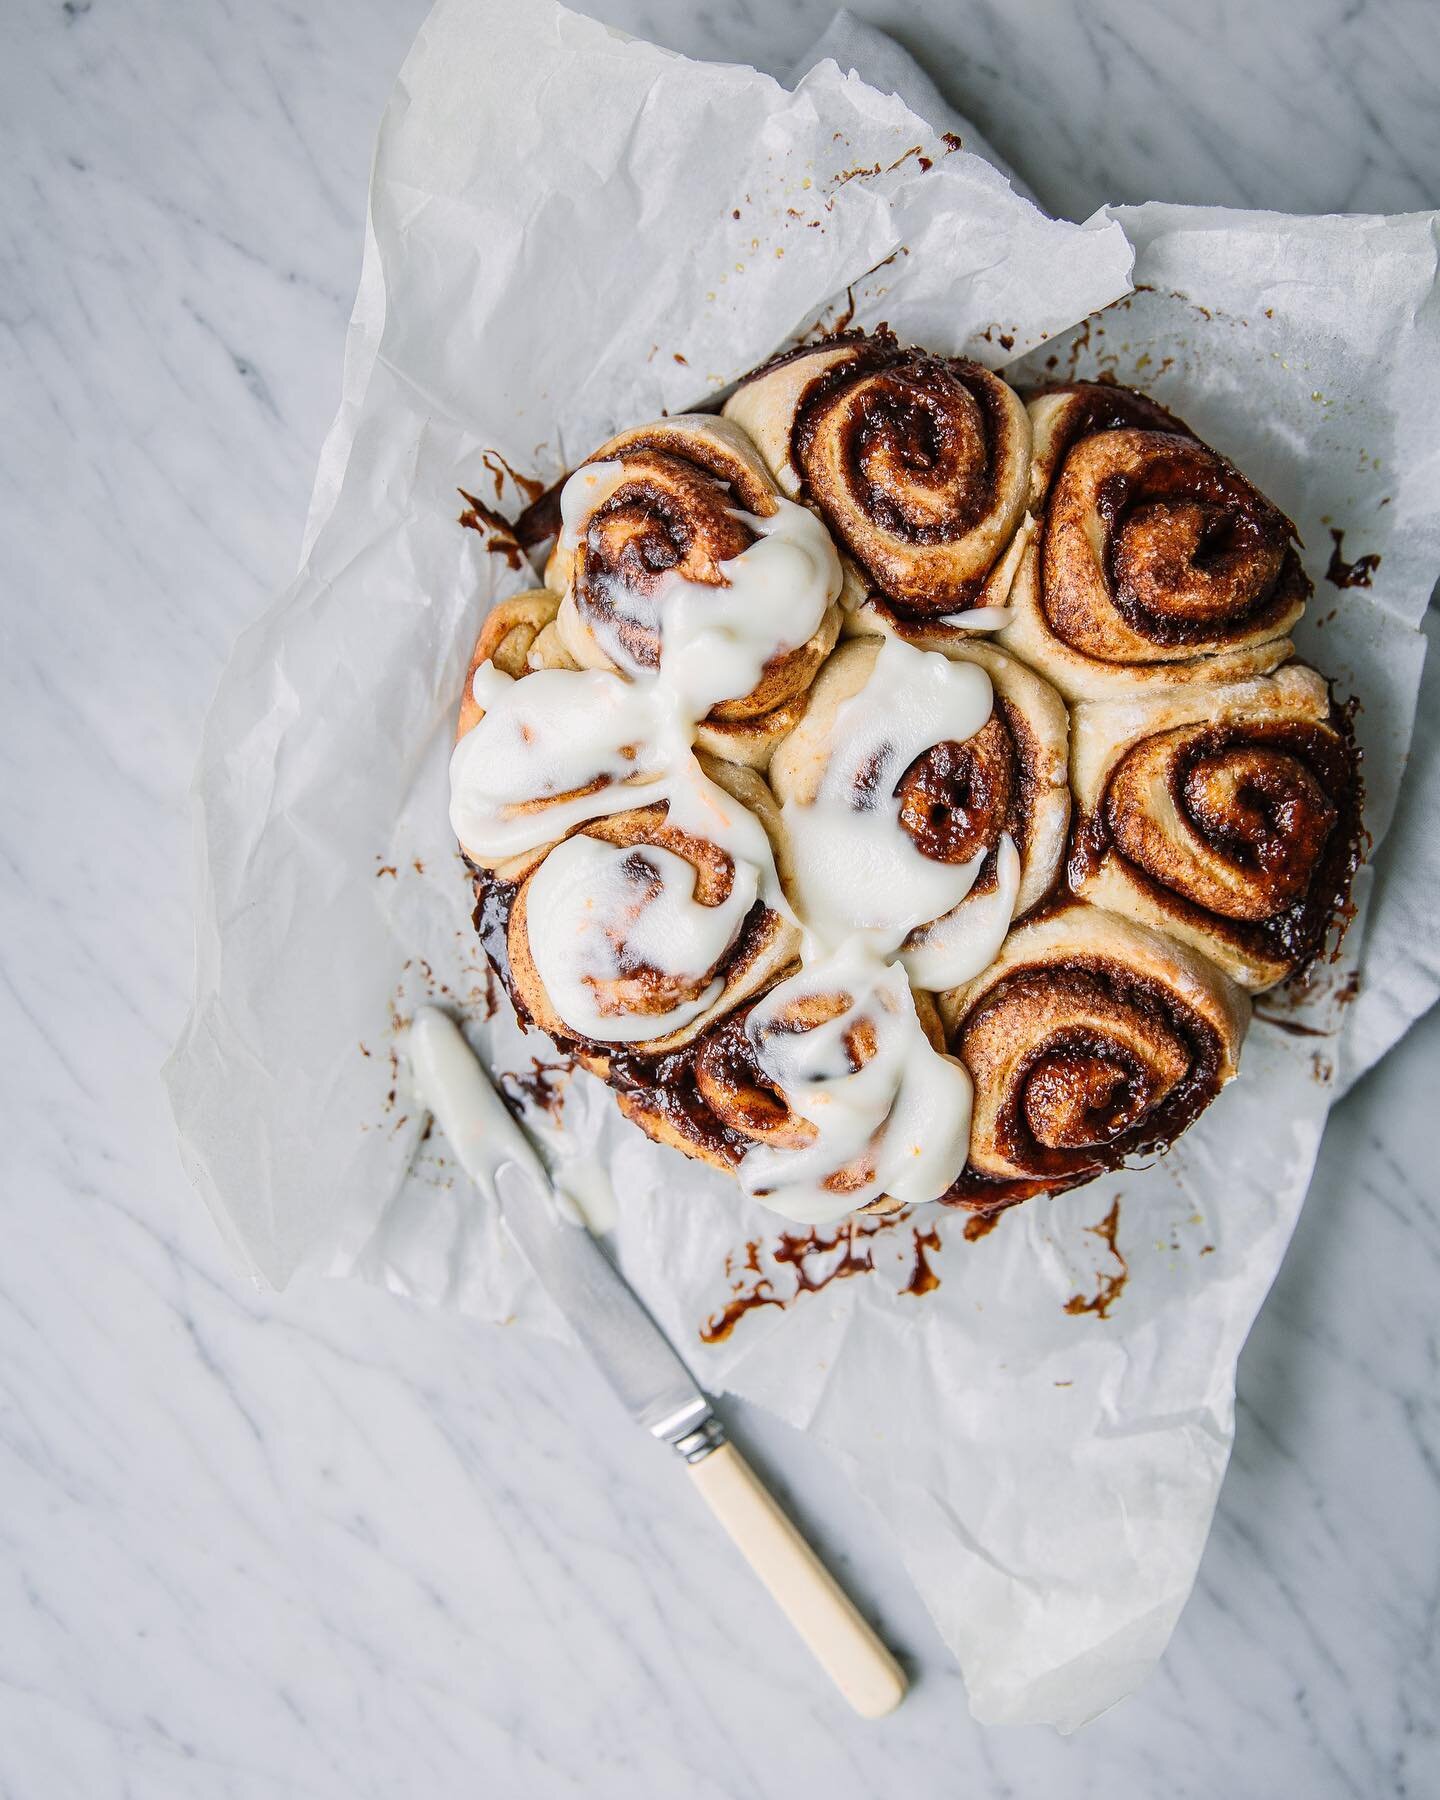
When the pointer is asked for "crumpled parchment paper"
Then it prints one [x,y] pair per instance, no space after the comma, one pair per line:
[569,232]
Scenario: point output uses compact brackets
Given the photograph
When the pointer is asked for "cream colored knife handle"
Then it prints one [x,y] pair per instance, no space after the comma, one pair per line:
[807,1593]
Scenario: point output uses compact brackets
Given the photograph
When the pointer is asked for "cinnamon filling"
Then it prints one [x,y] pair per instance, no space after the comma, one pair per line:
[901,449]
[1116,1066]
[956,799]
[1192,548]
[665,518]
[1269,824]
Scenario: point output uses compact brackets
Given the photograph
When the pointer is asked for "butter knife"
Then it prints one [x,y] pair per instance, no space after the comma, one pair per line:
[640,1364]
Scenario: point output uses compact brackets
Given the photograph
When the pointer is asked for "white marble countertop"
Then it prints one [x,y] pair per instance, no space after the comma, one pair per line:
[323,1545]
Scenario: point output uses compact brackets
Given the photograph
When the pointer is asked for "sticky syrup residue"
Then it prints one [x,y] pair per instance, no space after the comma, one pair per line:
[498,533]
[542,1086]
[1109,1286]
[529,486]
[1342,574]
[813,1260]
[1291,1027]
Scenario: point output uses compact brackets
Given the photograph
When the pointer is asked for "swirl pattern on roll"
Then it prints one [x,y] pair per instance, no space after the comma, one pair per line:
[830,1094]
[925,801]
[1229,817]
[1156,563]
[900,969]
[1090,1039]
[678,550]
[919,463]
[640,928]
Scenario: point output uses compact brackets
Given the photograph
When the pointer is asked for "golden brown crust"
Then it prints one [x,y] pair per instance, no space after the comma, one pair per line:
[511,634]
[1089,1039]
[1226,816]
[1151,583]
[1155,562]
[919,464]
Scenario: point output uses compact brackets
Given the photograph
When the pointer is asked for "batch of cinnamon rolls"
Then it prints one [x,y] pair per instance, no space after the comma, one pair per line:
[898,787]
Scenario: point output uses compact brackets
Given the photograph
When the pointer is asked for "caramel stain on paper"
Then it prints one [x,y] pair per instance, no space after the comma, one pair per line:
[1342,574]
[498,533]
[542,1086]
[529,487]
[814,1259]
[1109,1286]
[1291,1027]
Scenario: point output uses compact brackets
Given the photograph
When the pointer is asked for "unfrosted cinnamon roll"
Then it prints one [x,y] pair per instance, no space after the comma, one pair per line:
[678,555]
[919,463]
[641,927]
[1089,1039]
[830,1094]
[1226,816]
[925,802]
[1156,562]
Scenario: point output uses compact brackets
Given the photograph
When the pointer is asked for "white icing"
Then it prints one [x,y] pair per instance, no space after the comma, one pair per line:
[715,638]
[897,1124]
[716,641]
[967,940]
[980,618]
[586,492]
[449,1080]
[855,867]
[601,914]
[515,779]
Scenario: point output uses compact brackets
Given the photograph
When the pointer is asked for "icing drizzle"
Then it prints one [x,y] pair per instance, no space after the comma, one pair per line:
[841,1040]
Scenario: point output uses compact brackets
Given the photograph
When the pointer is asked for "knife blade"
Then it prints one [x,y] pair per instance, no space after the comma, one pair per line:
[623,1341]
[641,1365]
[629,1349]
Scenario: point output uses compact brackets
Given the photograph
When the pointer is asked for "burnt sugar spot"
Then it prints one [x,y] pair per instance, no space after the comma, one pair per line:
[1109,1284]
[1343,574]
[805,1262]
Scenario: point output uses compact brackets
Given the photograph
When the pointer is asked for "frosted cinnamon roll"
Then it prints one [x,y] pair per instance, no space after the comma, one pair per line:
[1156,563]
[640,928]
[925,801]
[830,1095]
[1226,816]
[919,463]
[539,750]
[1089,1040]
[679,557]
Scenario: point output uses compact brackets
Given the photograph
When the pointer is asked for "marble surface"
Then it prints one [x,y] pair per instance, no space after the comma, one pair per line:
[320,1544]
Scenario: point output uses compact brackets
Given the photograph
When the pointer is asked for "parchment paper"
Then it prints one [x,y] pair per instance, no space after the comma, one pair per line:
[554,251]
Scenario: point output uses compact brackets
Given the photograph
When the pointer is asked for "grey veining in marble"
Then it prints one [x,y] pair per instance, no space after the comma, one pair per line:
[321,1545]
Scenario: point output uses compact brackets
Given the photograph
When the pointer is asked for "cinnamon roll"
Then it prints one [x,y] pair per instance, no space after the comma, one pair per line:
[1226,816]
[540,750]
[831,1094]
[1089,1039]
[919,463]
[641,927]
[678,556]
[1156,563]
[925,802]
[899,971]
